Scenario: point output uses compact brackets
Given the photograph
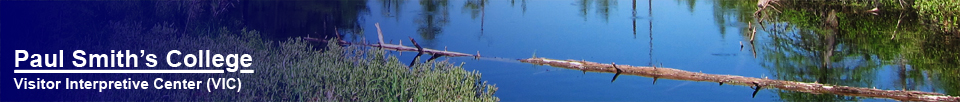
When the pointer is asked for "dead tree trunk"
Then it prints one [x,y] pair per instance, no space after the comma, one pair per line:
[815,88]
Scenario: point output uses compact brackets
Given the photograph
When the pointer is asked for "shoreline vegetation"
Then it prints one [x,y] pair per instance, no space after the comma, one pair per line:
[296,70]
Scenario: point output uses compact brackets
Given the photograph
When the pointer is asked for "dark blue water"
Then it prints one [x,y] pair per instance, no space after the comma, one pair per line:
[677,34]
[699,36]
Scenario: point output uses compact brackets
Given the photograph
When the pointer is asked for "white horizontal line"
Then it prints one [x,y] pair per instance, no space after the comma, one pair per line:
[118,71]
[246,71]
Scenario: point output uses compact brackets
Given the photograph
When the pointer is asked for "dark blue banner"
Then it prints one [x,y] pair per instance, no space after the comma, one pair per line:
[130,51]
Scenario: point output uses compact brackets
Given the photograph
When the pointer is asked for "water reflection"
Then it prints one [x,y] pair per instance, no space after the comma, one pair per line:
[391,8]
[811,56]
[843,46]
[931,55]
[812,50]
[603,8]
[86,25]
[477,8]
[282,19]
[691,4]
[433,18]
[733,14]
[523,5]
[837,46]
[803,43]
[846,46]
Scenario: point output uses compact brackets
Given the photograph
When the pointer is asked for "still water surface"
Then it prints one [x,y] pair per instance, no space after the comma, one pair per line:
[694,35]
[685,35]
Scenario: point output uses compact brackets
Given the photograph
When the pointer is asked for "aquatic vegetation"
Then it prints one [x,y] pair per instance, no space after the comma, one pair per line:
[293,70]
[348,73]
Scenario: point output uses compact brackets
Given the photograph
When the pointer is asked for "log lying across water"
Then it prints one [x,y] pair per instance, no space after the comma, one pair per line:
[760,83]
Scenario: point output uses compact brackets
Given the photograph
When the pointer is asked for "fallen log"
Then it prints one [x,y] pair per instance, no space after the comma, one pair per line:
[670,73]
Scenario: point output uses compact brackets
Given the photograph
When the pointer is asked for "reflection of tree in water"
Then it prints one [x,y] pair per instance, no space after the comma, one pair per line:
[817,52]
[391,8]
[275,19]
[936,54]
[603,7]
[523,5]
[434,16]
[584,7]
[918,55]
[805,55]
[692,4]
[284,19]
[475,7]
[733,13]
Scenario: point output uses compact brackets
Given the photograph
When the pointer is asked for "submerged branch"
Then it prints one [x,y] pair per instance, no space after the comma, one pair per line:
[815,88]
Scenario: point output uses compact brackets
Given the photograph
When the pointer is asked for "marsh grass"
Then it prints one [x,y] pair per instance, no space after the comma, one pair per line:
[293,70]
